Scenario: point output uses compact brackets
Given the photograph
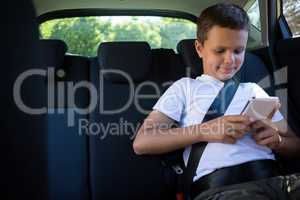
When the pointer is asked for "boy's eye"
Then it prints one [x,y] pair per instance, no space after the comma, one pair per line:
[219,51]
[238,51]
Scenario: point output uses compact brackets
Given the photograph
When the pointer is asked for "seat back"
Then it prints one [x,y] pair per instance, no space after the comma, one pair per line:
[116,172]
[67,145]
[23,168]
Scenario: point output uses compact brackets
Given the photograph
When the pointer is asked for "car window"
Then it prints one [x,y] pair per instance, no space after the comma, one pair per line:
[253,11]
[84,34]
[254,14]
[291,11]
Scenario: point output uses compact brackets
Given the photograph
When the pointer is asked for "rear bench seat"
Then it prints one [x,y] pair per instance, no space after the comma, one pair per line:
[82,168]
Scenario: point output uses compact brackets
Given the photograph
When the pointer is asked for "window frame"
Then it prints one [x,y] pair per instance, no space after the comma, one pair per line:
[57,14]
[77,13]
[264,22]
[113,12]
[284,26]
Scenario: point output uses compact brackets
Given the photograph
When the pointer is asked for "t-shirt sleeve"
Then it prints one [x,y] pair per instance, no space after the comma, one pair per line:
[258,92]
[172,102]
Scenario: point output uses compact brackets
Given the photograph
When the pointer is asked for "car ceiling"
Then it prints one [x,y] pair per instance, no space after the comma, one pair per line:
[193,7]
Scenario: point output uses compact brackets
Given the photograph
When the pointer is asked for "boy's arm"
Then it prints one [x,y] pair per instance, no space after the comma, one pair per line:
[156,135]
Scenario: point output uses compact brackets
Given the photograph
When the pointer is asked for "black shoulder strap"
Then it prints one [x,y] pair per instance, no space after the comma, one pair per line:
[217,109]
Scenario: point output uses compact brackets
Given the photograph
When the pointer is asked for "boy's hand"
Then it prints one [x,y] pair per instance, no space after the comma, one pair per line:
[228,129]
[264,132]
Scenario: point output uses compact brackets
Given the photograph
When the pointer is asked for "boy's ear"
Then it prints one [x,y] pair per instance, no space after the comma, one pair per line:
[199,48]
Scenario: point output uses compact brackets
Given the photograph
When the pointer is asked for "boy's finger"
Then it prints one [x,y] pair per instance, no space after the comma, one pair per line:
[266,141]
[258,125]
[240,127]
[261,135]
[278,106]
[238,118]
[230,140]
[238,134]
[274,111]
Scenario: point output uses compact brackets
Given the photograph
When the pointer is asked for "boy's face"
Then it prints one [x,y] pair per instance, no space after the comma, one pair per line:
[222,52]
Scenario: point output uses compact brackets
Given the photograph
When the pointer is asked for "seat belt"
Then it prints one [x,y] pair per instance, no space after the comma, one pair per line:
[217,109]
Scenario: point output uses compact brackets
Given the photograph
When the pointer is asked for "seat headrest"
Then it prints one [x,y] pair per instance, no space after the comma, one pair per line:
[133,58]
[186,48]
[52,52]
[253,69]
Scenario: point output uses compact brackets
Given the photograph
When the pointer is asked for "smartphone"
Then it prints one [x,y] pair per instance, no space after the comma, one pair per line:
[260,108]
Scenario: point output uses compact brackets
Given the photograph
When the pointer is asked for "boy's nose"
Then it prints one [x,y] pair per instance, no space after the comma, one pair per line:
[229,58]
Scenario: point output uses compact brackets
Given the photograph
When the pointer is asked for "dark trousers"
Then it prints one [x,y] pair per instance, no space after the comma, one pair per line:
[275,188]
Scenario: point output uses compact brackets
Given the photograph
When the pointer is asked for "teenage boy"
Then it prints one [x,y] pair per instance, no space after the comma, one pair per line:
[234,141]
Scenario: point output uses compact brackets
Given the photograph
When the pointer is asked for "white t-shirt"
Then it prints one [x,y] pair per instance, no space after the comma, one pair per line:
[187,101]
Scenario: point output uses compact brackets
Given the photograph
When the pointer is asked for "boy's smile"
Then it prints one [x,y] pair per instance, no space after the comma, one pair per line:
[222,52]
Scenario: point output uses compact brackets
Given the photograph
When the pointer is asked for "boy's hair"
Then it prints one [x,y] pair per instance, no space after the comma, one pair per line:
[224,15]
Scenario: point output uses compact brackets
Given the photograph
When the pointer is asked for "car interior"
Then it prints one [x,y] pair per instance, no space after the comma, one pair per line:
[47,158]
